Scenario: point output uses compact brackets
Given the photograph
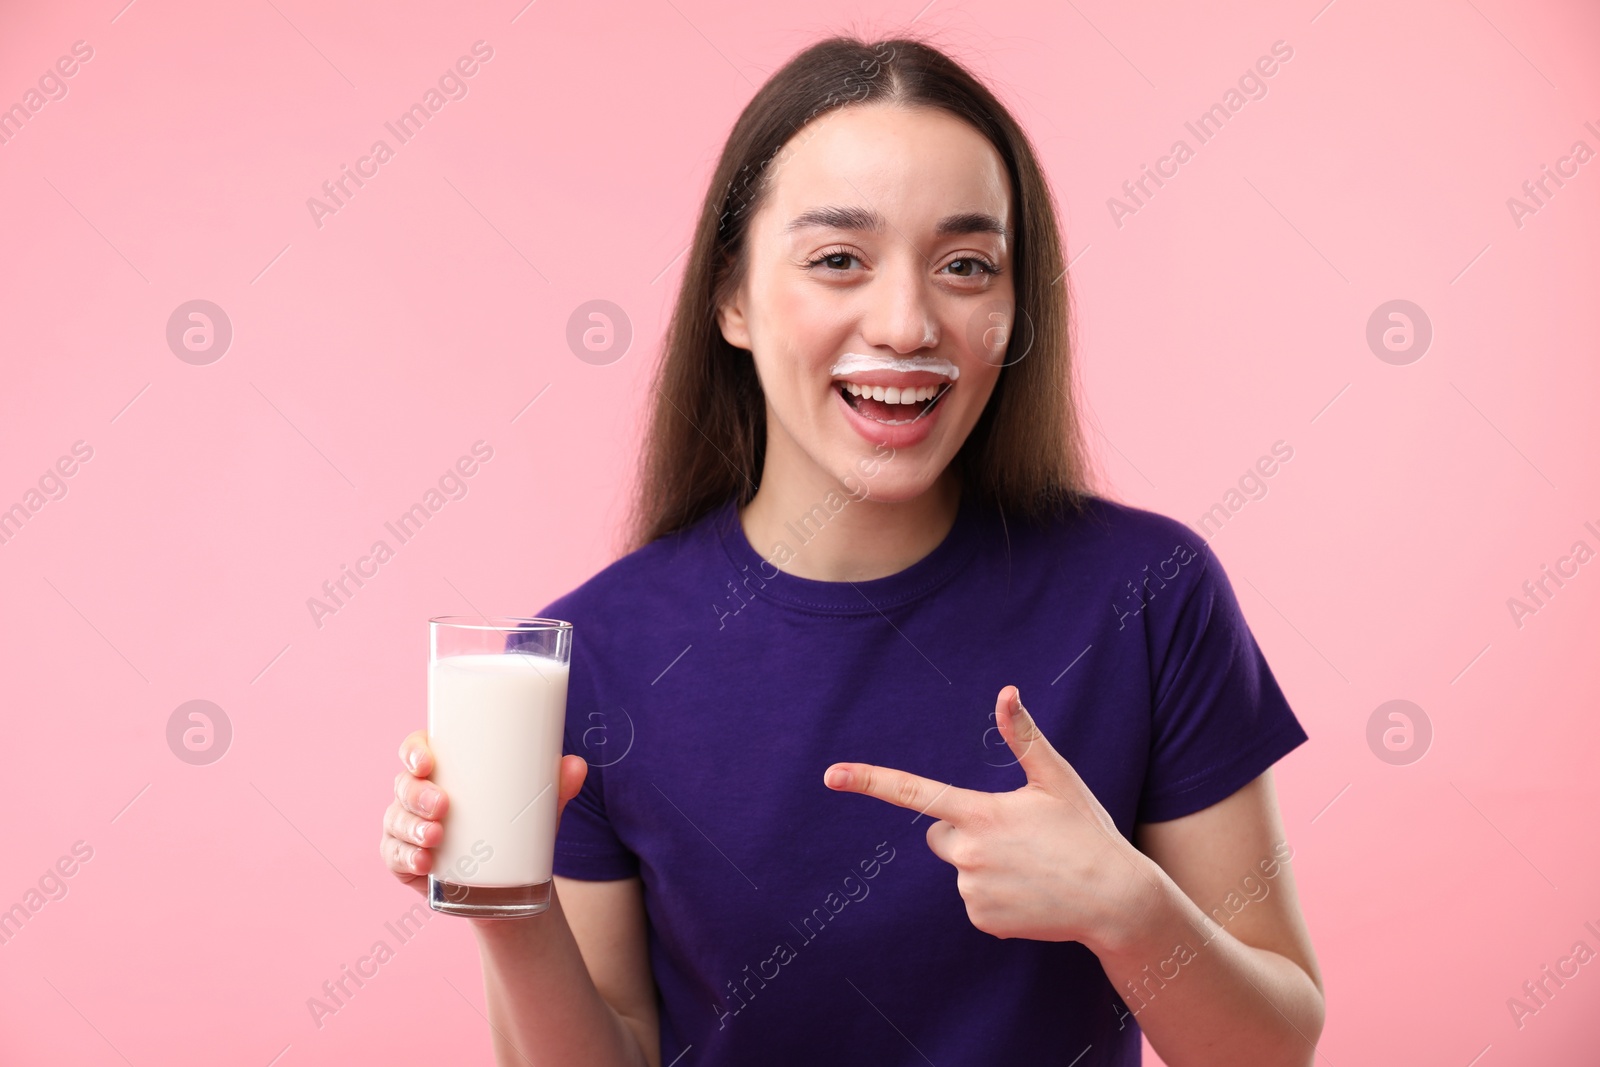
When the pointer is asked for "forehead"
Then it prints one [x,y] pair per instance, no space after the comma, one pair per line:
[914,166]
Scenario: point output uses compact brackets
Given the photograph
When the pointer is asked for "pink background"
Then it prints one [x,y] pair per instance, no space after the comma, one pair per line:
[368,354]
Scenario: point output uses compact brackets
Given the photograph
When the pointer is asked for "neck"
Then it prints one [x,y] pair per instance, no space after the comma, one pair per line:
[862,540]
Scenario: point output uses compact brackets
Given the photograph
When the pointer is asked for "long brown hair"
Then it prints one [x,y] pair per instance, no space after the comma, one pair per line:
[707,432]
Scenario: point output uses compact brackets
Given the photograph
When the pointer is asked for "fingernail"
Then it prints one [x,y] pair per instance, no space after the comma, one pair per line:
[420,832]
[411,759]
[1017,699]
[838,778]
[429,800]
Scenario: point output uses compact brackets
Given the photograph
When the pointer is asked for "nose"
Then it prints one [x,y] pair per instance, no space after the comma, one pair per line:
[899,314]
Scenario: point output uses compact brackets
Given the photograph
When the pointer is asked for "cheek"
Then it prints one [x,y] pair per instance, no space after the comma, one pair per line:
[991,332]
[798,333]
[796,317]
[978,381]
[821,322]
[787,301]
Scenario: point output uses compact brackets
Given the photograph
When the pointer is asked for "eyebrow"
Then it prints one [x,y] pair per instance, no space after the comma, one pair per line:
[867,220]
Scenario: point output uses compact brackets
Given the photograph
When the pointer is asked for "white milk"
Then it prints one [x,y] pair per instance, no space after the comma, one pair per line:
[495,725]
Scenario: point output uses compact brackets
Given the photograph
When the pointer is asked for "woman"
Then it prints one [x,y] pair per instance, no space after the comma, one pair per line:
[816,823]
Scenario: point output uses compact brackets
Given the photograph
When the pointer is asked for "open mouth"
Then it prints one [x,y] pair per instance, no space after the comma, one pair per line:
[891,405]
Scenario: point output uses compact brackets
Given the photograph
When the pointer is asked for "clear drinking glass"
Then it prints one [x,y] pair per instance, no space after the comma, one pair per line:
[497,705]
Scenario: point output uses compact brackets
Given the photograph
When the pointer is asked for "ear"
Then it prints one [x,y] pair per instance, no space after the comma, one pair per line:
[730,319]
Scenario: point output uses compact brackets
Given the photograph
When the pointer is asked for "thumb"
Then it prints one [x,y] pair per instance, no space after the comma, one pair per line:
[1035,754]
[574,769]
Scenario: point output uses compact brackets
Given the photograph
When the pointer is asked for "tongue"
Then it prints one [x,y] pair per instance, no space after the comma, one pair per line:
[877,409]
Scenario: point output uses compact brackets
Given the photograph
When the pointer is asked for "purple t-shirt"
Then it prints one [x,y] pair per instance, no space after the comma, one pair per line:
[791,924]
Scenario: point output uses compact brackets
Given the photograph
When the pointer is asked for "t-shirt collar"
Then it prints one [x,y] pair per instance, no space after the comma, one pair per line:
[755,575]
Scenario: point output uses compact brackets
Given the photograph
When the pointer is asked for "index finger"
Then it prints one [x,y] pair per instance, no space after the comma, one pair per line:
[416,754]
[922,795]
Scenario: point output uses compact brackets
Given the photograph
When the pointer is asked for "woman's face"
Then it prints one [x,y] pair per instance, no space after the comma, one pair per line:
[878,269]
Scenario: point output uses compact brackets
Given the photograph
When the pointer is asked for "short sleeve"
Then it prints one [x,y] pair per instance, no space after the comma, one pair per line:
[587,846]
[1219,717]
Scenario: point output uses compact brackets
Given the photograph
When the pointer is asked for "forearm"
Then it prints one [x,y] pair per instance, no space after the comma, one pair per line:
[543,1005]
[1206,999]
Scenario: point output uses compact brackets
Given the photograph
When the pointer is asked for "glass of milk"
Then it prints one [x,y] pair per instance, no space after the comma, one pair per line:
[497,705]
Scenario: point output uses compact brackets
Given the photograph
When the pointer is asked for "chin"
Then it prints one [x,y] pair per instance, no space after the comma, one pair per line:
[889,486]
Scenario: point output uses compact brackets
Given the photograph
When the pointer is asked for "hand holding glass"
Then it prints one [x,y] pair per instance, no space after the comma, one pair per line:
[497,704]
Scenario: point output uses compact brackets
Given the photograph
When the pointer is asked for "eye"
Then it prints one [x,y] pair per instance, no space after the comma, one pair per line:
[970,266]
[835,259]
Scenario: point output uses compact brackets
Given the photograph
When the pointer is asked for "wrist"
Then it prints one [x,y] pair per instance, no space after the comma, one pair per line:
[1150,914]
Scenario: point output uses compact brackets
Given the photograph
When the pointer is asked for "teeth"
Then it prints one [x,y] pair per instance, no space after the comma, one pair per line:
[893,394]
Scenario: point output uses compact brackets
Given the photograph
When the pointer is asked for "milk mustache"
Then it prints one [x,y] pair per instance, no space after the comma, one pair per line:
[495,725]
